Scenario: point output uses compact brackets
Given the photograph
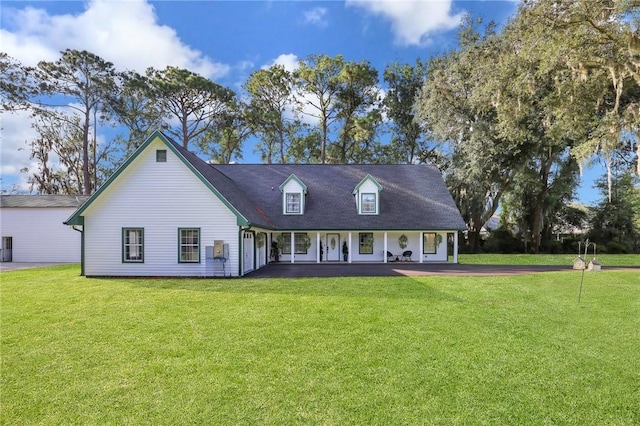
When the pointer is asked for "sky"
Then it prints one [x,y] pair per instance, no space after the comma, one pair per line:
[227,40]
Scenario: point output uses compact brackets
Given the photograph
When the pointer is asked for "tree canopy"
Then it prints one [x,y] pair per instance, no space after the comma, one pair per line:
[510,116]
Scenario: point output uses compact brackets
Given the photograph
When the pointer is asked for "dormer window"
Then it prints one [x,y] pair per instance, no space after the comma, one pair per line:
[367,195]
[293,203]
[368,203]
[293,192]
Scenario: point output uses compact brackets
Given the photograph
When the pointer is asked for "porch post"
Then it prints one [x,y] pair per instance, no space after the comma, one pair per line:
[317,247]
[350,251]
[384,252]
[293,247]
[421,238]
[455,247]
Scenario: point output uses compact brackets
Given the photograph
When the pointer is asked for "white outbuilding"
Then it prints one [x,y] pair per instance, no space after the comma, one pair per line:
[32,228]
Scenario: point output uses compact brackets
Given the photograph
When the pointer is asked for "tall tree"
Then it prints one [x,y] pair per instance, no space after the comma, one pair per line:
[455,106]
[223,144]
[85,82]
[195,102]
[404,82]
[615,226]
[135,110]
[358,111]
[58,153]
[598,43]
[318,84]
[269,111]
[14,84]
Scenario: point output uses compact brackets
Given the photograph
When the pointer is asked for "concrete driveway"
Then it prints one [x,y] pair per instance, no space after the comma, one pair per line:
[296,270]
[11,266]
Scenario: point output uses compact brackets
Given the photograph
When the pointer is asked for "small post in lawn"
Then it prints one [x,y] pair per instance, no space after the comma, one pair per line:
[586,247]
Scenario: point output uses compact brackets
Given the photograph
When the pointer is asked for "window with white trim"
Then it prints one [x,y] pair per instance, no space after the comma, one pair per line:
[189,245]
[161,156]
[368,203]
[293,203]
[133,245]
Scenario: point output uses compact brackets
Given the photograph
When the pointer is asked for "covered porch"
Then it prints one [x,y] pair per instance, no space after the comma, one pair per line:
[417,246]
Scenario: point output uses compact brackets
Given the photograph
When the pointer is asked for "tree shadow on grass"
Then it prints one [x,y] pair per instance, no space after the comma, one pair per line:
[359,287]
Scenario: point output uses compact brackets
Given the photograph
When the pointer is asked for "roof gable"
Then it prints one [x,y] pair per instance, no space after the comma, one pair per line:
[367,178]
[193,163]
[294,178]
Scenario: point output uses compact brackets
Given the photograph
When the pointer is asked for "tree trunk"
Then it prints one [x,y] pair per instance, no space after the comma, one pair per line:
[86,176]
[474,233]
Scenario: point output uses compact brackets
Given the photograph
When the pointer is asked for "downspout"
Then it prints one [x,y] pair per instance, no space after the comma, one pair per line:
[240,251]
[81,248]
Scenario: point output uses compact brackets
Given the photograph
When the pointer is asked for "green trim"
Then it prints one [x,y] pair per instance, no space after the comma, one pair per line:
[74,219]
[367,177]
[82,248]
[240,252]
[124,230]
[180,244]
[291,177]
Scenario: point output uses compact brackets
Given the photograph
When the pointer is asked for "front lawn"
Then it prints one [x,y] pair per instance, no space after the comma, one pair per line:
[547,259]
[401,350]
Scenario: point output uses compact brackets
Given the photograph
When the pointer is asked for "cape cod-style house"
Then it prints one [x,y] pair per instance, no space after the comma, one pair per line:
[166,212]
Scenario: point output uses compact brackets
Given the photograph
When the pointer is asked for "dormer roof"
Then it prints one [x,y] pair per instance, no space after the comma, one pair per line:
[367,178]
[293,177]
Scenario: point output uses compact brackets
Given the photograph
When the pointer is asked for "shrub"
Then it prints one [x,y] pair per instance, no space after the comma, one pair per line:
[502,241]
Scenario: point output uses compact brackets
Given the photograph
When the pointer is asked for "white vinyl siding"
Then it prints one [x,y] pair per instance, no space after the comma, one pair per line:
[39,234]
[161,197]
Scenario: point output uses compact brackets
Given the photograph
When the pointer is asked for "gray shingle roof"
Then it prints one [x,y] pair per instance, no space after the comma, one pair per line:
[42,201]
[413,196]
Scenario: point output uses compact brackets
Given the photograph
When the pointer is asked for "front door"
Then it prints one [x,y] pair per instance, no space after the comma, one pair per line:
[6,254]
[333,247]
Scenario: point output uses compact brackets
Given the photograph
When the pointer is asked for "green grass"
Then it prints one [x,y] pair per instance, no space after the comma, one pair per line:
[547,259]
[402,350]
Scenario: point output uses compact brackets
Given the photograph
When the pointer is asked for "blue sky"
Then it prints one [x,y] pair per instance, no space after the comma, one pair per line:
[227,40]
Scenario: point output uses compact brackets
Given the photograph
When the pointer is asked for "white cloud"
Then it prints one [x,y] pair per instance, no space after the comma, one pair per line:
[316,16]
[15,132]
[288,60]
[126,33]
[412,21]
[123,32]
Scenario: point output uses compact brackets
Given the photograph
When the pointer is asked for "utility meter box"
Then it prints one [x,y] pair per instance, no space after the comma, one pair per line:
[218,249]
